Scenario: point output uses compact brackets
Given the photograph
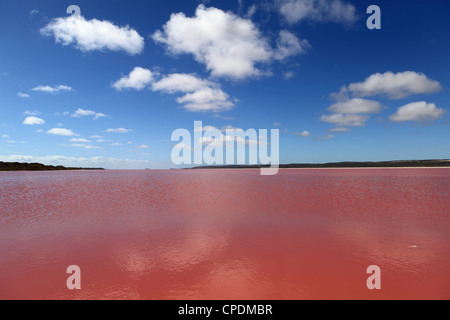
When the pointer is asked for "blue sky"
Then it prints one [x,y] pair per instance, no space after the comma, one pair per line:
[109,87]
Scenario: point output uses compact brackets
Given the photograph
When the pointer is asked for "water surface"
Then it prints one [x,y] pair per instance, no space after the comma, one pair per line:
[226,234]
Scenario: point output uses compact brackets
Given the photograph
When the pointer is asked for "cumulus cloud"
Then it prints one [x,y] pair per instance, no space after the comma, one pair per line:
[31,121]
[119,130]
[91,35]
[200,95]
[138,79]
[356,106]
[61,132]
[88,113]
[336,11]
[52,90]
[418,111]
[228,45]
[393,85]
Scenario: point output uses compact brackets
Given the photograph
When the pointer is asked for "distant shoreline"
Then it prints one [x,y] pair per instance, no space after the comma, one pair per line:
[18,166]
[345,165]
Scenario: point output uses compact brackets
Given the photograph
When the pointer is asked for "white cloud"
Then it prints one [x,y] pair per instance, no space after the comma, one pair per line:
[5,136]
[96,137]
[303,134]
[393,85]
[116,144]
[335,11]
[87,113]
[206,99]
[289,45]
[23,95]
[31,121]
[228,45]
[352,120]
[61,132]
[418,111]
[119,130]
[180,82]
[356,106]
[200,95]
[143,147]
[339,130]
[52,90]
[32,113]
[138,79]
[84,146]
[91,35]
[79,140]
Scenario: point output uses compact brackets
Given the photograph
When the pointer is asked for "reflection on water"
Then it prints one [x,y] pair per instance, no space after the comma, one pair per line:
[226,234]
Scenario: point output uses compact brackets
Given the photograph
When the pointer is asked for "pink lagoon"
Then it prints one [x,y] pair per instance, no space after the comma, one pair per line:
[226,234]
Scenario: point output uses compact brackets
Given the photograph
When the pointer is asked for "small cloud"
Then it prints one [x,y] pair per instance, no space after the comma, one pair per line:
[116,144]
[328,137]
[303,134]
[418,111]
[61,132]
[96,137]
[31,121]
[80,145]
[92,35]
[88,113]
[356,106]
[288,75]
[339,130]
[119,130]
[32,113]
[5,136]
[277,124]
[23,95]
[79,140]
[143,147]
[138,79]
[33,13]
[52,90]
[335,11]
[393,85]
[352,120]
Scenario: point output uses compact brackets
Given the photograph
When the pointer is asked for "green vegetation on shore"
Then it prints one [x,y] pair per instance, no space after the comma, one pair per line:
[383,164]
[16,166]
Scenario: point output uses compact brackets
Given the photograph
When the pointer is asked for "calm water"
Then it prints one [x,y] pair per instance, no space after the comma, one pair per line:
[226,234]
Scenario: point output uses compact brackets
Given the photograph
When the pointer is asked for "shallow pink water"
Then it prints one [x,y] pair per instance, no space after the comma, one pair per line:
[226,234]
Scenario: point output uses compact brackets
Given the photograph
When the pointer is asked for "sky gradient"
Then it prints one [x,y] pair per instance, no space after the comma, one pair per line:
[107,88]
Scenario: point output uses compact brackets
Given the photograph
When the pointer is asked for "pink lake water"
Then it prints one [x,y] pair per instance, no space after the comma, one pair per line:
[226,234]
